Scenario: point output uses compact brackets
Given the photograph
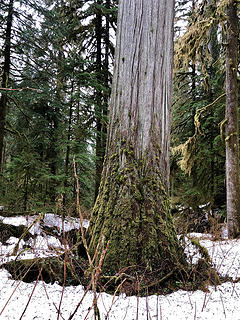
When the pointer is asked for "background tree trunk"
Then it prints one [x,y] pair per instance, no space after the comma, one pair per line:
[99,99]
[232,131]
[5,77]
[132,208]
[102,34]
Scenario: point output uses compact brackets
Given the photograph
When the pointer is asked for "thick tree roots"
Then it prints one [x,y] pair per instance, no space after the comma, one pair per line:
[131,281]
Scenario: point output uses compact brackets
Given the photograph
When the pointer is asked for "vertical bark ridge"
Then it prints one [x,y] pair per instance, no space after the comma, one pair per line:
[232,130]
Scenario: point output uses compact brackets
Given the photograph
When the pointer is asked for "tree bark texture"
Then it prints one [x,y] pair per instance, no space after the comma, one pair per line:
[132,208]
[5,77]
[100,145]
[232,131]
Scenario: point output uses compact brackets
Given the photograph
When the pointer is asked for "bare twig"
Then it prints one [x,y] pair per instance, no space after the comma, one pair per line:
[137,307]
[21,89]
[204,302]
[64,281]
[114,296]
[16,288]
[54,304]
[80,214]
[95,271]
[94,277]
[223,306]
[195,312]
[39,274]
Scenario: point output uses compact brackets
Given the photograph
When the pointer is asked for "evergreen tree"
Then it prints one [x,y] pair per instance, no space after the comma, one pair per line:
[51,121]
[199,106]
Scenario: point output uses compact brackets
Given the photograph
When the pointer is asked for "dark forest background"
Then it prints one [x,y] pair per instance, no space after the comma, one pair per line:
[56,67]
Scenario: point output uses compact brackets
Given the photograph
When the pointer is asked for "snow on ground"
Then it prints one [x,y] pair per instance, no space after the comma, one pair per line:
[19,300]
[49,220]
[42,245]
[225,254]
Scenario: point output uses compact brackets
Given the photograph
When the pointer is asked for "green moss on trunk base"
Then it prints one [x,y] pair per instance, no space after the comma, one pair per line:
[132,213]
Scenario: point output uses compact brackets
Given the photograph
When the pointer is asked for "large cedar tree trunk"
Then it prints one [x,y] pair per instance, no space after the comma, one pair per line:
[232,131]
[132,209]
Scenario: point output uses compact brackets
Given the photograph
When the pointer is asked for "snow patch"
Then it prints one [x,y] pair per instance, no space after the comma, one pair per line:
[219,303]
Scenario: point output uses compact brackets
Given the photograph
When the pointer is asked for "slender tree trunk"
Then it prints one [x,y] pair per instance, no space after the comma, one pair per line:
[232,131]
[54,150]
[68,149]
[5,78]
[25,198]
[193,74]
[213,47]
[102,96]
[132,209]
[98,107]
[107,80]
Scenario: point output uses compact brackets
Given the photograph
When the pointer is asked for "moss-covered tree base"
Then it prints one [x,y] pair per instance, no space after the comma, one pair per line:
[132,213]
[132,282]
[141,283]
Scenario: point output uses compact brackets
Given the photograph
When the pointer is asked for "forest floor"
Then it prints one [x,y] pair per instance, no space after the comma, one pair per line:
[39,300]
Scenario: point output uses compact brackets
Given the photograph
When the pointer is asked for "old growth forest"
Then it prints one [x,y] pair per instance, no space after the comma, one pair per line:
[138,131]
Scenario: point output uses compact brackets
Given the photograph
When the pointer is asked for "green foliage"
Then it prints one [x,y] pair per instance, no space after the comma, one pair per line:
[55,120]
[198,111]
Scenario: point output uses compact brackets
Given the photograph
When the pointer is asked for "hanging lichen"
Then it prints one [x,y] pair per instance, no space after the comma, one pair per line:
[186,150]
[191,47]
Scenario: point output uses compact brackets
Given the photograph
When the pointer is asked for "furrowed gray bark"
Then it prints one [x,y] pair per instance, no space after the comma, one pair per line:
[232,130]
[132,209]
[141,92]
